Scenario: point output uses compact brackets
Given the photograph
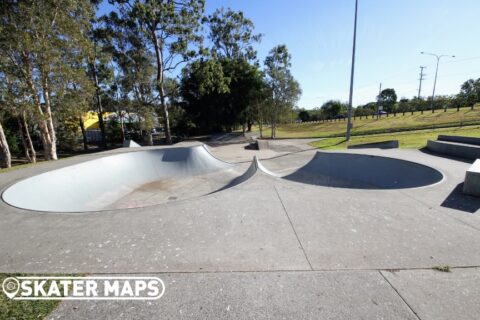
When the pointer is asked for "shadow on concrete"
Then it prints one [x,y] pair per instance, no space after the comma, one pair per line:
[357,171]
[460,201]
[426,151]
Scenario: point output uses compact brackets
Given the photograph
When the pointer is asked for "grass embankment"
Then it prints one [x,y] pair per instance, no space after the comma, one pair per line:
[399,123]
[23,310]
[409,139]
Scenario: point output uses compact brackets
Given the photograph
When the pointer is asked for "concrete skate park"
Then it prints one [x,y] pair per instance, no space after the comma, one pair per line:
[286,232]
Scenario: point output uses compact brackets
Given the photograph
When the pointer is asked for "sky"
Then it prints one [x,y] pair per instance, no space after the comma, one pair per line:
[390,36]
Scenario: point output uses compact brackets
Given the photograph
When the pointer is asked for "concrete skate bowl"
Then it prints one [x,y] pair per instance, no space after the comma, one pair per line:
[357,171]
[126,180]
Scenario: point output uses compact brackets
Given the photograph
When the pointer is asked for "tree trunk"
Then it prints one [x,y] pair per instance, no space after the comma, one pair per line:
[159,80]
[49,118]
[84,133]
[47,141]
[166,119]
[5,156]
[30,153]
[249,126]
[33,153]
[99,99]
[149,138]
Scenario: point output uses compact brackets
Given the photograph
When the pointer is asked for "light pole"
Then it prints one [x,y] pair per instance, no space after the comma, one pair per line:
[349,123]
[438,56]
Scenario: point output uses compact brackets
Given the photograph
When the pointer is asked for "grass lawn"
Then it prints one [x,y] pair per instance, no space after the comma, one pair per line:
[408,139]
[417,121]
[24,310]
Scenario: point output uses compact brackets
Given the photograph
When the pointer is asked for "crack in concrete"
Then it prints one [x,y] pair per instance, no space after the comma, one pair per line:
[274,271]
[293,228]
[401,297]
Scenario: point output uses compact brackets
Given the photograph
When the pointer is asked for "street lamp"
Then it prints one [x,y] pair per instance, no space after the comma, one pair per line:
[349,124]
[438,56]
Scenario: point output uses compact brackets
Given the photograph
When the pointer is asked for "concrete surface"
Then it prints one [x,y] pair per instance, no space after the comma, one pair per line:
[461,139]
[390,144]
[471,185]
[348,170]
[104,182]
[439,295]
[130,144]
[454,149]
[257,295]
[268,248]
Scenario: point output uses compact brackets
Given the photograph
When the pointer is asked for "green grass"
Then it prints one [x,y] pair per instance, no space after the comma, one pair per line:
[23,310]
[443,268]
[399,123]
[409,139]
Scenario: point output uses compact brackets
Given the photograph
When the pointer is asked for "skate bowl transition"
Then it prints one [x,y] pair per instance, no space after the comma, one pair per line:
[126,180]
[360,171]
[152,177]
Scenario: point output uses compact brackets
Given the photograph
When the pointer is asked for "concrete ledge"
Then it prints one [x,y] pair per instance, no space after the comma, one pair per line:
[472,180]
[262,144]
[460,139]
[390,144]
[454,149]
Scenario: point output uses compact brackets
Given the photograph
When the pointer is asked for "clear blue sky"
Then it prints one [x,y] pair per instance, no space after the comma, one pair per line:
[391,34]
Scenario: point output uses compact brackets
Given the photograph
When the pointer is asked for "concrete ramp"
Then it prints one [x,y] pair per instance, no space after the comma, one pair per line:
[255,168]
[130,144]
[100,184]
[346,170]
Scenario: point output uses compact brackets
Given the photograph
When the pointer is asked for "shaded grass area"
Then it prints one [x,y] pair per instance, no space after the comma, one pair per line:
[410,139]
[390,124]
[23,310]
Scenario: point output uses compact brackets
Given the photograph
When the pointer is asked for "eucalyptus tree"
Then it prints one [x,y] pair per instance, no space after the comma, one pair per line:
[284,89]
[13,102]
[232,34]
[5,156]
[233,38]
[37,36]
[171,27]
[135,70]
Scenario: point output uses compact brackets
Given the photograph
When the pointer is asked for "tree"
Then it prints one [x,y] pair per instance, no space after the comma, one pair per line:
[170,27]
[284,89]
[387,99]
[135,78]
[39,37]
[334,108]
[203,85]
[304,115]
[403,106]
[233,37]
[232,34]
[5,156]
[470,92]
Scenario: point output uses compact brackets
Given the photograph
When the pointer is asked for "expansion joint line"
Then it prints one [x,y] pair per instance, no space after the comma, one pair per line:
[293,228]
[401,297]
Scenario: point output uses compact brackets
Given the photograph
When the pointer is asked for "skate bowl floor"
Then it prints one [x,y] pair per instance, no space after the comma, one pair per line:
[360,171]
[121,181]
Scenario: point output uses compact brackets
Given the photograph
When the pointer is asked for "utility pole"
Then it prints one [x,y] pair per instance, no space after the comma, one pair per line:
[378,100]
[421,79]
[349,124]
